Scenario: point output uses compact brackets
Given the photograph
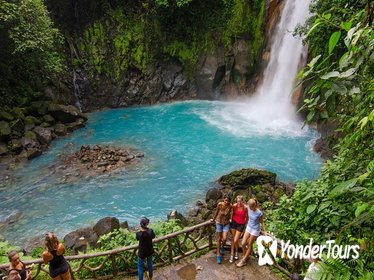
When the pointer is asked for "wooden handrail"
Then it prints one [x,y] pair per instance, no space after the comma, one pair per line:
[112,255]
[192,240]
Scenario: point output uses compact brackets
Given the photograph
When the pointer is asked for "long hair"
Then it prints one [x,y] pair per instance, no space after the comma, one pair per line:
[11,254]
[51,241]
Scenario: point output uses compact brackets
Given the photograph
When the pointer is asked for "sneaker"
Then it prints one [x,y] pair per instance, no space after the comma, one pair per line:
[236,256]
[231,260]
[219,259]
[222,250]
[241,263]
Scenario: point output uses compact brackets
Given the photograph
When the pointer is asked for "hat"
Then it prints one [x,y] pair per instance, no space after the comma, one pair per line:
[144,221]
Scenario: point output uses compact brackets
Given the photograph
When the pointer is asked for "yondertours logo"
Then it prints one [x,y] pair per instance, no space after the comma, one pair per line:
[267,245]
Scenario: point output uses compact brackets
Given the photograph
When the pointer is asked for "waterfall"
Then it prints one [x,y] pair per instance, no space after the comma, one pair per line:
[75,91]
[73,53]
[272,99]
[270,110]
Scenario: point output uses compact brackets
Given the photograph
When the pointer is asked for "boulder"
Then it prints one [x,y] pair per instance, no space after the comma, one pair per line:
[60,129]
[19,112]
[48,119]
[124,224]
[16,146]
[175,215]
[65,114]
[35,242]
[321,147]
[44,135]
[38,108]
[4,130]
[3,149]
[247,177]
[33,153]
[45,124]
[193,212]
[31,120]
[79,123]
[106,225]
[29,127]
[28,142]
[4,115]
[78,239]
[213,194]
[17,126]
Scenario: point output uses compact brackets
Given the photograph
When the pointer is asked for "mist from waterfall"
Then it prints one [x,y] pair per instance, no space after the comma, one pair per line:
[270,110]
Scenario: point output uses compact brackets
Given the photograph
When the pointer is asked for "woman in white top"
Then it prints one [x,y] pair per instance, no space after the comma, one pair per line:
[252,231]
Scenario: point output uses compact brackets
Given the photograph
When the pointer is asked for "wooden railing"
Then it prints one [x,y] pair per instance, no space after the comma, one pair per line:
[168,248]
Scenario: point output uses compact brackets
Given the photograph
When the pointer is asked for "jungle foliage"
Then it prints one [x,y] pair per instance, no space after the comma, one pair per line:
[139,35]
[339,86]
[28,50]
[108,37]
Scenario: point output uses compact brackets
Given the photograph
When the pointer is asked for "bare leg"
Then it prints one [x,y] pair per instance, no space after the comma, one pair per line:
[236,241]
[224,237]
[233,232]
[219,238]
[251,240]
[244,241]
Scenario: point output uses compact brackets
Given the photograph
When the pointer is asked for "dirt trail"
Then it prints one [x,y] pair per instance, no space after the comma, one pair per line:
[206,268]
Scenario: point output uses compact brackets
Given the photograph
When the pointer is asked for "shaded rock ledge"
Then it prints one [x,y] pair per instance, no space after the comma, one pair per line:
[25,132]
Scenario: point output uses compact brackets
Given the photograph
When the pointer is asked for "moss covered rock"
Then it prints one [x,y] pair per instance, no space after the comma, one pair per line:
[4,115]
[4,130]
[248,177]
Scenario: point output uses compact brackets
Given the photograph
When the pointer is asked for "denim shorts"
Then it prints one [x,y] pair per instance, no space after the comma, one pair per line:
[222,228]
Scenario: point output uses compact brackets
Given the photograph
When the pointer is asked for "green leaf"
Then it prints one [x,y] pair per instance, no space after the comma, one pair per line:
[310,116]
[346,25]
[324,115]
[324,205]
[313,61]
[345,59]
[334,40]
[311,208]
[327,16]
[361,209]
[329,75]
[348,38]
[363,122]
[342,187]
[313,27]
[347,73]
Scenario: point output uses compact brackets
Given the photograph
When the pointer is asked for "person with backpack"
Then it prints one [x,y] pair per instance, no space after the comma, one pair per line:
[145,251]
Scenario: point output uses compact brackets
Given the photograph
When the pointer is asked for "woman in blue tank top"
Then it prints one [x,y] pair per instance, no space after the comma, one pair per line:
[58,266]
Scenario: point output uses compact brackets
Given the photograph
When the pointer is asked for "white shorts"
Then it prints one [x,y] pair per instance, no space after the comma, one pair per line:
[252,231]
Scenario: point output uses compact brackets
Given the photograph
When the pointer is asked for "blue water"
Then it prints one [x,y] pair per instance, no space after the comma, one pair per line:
[187,145]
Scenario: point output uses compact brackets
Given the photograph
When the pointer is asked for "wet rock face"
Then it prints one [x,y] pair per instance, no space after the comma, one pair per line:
[165,82]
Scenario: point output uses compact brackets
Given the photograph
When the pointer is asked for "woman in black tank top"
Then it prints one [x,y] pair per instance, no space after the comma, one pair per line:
[58,266]
[17,265]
